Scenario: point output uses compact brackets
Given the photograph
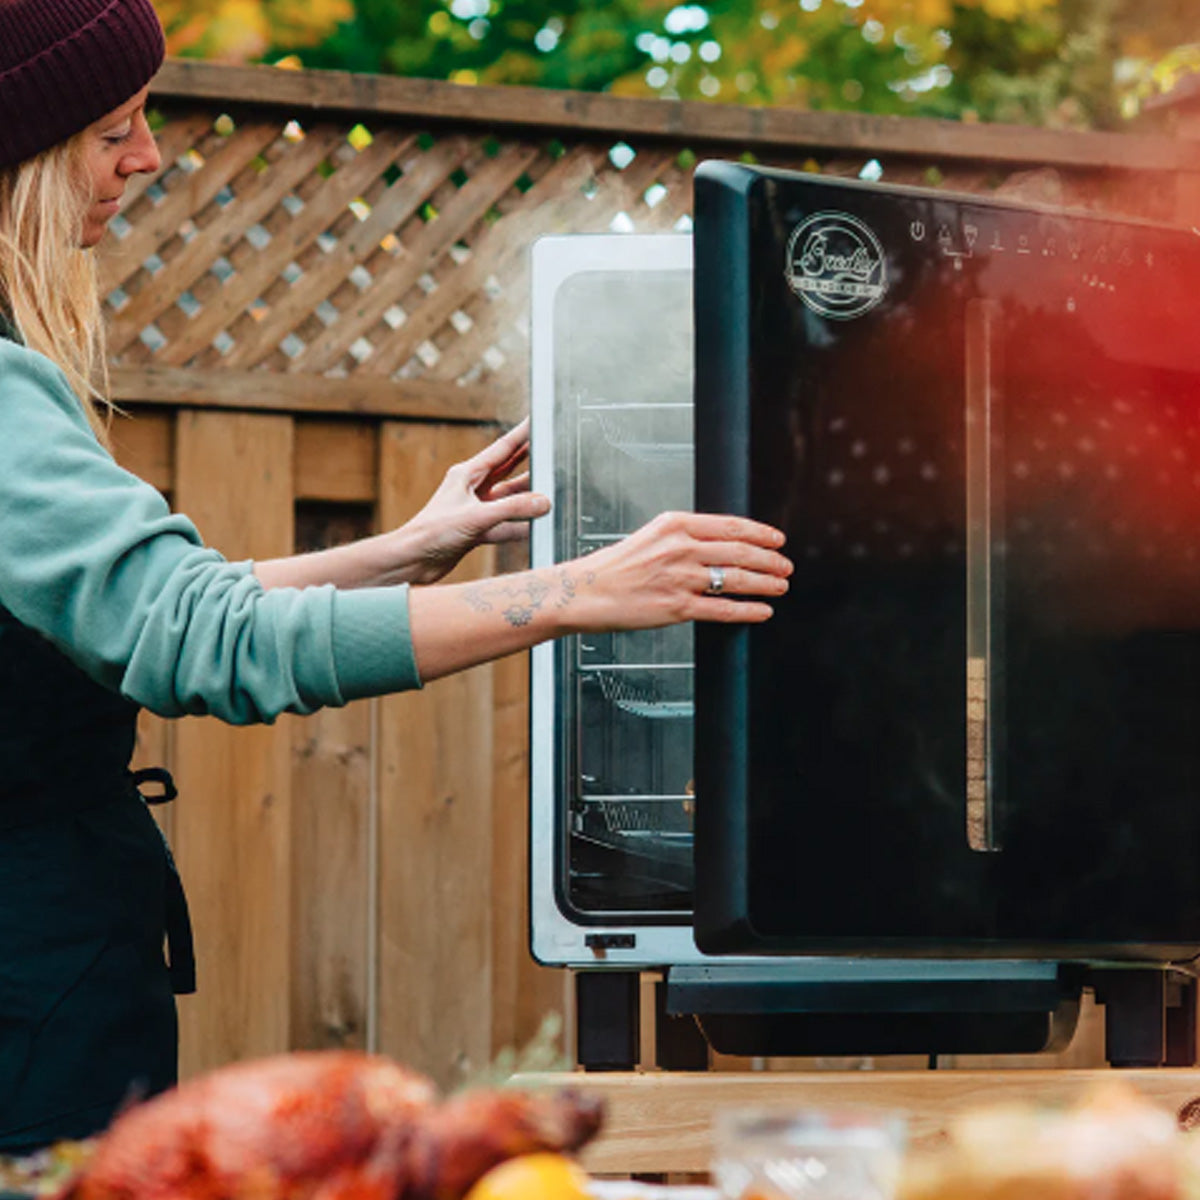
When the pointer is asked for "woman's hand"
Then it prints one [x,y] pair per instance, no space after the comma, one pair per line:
[479,502]
[665,572]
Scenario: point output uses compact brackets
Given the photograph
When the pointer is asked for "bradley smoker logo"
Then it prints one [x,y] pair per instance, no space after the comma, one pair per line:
[835,264]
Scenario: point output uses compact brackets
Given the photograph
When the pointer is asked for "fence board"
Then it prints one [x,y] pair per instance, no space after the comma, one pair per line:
[336,460]
[333,803]
[681,121]
[232,823]
[435,758]
[419,399]
[524,994]
[331,819]
[145,445]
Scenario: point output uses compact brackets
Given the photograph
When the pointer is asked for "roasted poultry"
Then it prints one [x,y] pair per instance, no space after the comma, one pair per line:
[323,1125]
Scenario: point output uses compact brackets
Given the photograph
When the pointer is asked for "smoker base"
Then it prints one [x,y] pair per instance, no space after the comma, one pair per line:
[747,1015]
[802,1011]
[790,1035]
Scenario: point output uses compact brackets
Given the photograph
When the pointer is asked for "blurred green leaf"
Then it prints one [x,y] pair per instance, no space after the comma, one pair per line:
[1066,63]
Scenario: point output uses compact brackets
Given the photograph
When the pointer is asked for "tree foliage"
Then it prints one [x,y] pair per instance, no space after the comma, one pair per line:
[245,30]
[1048,62]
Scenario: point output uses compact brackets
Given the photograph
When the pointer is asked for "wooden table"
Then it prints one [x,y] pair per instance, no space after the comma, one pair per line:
[659,1122]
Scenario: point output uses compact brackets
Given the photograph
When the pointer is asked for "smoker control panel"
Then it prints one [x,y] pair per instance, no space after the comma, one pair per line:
[982,236]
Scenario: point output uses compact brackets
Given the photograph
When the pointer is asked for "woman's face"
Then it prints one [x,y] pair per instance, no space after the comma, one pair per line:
[115,148]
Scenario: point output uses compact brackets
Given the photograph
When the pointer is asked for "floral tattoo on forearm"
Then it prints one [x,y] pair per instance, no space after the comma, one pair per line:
[519,599]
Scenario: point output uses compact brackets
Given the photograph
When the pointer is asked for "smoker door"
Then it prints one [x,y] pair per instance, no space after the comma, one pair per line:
[973,725]
[612,792]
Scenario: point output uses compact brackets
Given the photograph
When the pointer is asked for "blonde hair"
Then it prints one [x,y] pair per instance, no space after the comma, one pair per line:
[48,283]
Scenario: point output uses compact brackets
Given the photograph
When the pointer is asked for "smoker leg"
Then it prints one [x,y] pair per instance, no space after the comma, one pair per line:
[606,1018]
[1181,1022]
[1135,1007]
[679,1044]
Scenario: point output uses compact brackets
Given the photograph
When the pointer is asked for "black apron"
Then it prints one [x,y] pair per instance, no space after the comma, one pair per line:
[88,892]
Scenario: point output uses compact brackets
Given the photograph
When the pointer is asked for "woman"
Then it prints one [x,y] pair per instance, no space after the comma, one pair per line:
[109,602]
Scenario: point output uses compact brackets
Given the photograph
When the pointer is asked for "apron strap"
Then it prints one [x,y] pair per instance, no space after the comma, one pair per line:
[159,775]
[181,954]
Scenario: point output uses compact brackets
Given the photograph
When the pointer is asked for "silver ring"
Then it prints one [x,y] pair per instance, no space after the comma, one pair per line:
[716,580]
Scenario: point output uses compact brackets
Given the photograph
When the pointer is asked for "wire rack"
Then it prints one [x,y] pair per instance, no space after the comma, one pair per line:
[663,815]
[643,697]
[627,434]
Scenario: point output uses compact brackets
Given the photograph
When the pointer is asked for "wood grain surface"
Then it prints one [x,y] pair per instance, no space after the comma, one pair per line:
[659,1122]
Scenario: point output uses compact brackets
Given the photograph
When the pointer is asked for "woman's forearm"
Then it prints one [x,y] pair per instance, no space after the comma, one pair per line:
[461,625]
[380,561]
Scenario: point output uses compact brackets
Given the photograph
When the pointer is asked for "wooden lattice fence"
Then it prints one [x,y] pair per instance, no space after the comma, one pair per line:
[321,239]
[319,303]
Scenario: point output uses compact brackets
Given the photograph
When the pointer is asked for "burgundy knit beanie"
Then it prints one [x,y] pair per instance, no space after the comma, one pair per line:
[65,63]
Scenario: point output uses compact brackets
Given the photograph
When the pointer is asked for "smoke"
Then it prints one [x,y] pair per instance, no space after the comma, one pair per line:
[623,385]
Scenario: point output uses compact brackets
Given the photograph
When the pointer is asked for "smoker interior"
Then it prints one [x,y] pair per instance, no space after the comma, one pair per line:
[623,422]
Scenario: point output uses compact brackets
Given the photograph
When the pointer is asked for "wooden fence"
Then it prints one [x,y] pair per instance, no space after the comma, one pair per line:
[316,306]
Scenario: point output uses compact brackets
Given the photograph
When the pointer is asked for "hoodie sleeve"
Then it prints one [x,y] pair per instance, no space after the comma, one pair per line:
[93,558]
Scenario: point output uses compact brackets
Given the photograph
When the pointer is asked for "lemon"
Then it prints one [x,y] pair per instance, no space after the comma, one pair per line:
[541,1176]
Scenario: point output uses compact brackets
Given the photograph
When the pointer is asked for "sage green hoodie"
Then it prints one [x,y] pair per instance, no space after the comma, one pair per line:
[93,559]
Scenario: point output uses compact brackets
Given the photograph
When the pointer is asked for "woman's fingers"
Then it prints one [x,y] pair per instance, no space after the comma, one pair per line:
[507,518]
[733,612]
[746,555]
[506,487]
[508,451]
[506,531]
[714,527]
[717,579]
